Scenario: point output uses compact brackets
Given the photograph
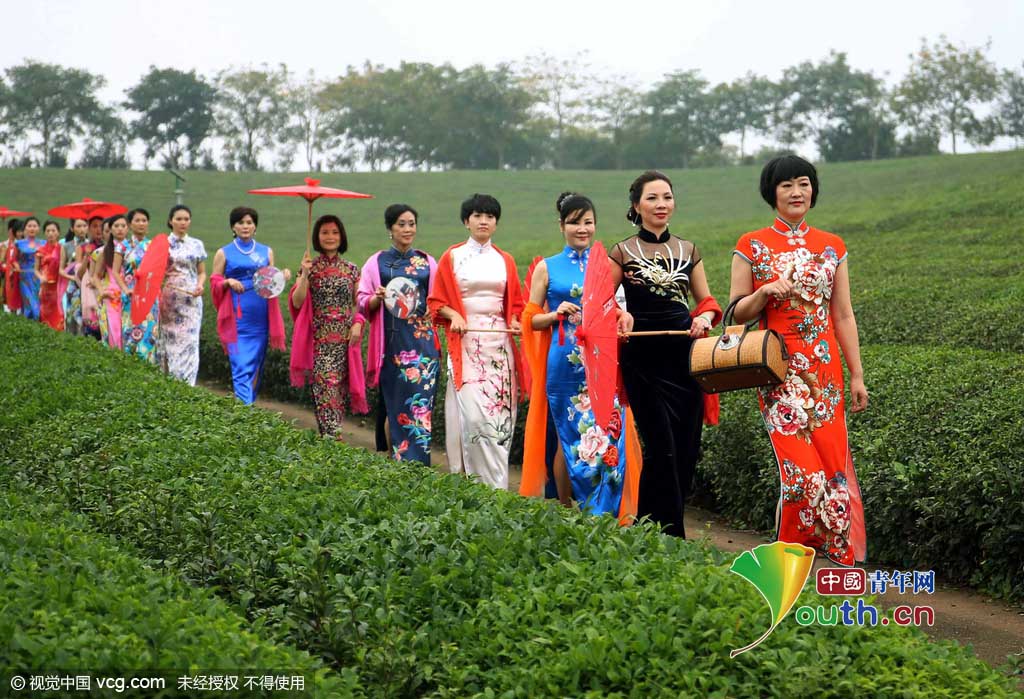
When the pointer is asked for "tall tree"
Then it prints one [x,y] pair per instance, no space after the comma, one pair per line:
[682,117]
[945,86]
[563,90]
[107,141]
[487,117]
[310,115]
[745,105]
[617,107]
[843,109]
[250,112]
[55,102]
[175,111]
[363,113]
[1011,105]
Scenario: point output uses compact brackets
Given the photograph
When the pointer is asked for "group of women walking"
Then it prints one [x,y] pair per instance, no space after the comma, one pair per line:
[790,276]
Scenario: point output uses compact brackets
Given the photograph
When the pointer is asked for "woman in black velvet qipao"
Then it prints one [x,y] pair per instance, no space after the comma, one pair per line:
[666,289]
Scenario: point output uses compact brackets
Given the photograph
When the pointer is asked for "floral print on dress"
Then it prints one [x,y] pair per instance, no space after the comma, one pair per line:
[139,340]
[181,313]
[799,405]
[805,414]
[824,506]
[332,288]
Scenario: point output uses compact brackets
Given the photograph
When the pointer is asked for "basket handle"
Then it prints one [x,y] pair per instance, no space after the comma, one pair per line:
[727,316]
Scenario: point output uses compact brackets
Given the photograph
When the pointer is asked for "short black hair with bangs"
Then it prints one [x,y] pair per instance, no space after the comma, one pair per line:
[782,169]
[480,204]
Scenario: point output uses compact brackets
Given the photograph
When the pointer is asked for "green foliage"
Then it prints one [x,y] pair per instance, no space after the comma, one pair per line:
[249,111]
[52,101]
[937,457]
[74,602]
[175,111]
[944,87]
[419,584]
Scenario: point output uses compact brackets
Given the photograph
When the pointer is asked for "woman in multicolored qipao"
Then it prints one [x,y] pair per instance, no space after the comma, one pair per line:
[797,278]
[402,354]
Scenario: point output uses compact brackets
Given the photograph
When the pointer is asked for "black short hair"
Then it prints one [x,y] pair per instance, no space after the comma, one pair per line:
[392,213]
[240,212]
[94,218]
[329,218]
[572,206]
[175,209]
[13,224]
[138,210]
[784,168]
[636,190]
[480,204]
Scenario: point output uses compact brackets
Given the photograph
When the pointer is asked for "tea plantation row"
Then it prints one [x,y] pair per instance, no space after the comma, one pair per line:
[404,582]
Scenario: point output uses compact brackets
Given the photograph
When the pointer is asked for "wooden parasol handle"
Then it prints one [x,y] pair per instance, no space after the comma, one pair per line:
[647,333]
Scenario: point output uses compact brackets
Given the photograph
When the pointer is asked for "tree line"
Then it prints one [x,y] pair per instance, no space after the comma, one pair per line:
[541,112]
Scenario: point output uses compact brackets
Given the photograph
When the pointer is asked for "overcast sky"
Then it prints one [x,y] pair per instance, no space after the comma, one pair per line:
[641,39]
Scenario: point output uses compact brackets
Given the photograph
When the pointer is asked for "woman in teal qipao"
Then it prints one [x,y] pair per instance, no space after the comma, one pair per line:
[402,353]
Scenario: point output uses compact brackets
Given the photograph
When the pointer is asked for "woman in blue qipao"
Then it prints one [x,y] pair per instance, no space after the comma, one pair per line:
[402,354]
[29,282]
[245,320]
[594,457]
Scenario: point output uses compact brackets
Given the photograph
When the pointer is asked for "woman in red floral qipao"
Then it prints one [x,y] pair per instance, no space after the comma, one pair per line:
[797,276]
[326,326]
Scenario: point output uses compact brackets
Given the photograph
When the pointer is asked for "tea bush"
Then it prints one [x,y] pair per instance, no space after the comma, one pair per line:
[937,455]
[73,602]
[420,584]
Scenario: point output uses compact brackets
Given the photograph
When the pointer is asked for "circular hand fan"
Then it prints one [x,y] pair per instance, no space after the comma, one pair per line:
[268,282]
[401,296]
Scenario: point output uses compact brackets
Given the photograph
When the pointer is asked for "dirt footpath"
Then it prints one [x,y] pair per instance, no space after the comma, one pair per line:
[995,629]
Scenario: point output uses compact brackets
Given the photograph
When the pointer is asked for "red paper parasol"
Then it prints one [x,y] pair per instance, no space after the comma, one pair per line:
[6,213]
[149,277]
[311,191]
[597,335]
[87,208]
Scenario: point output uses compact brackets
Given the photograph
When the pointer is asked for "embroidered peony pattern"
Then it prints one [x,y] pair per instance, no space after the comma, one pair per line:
[824,506]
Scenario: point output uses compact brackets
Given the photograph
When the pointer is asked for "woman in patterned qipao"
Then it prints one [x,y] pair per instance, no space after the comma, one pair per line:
[477,287]
[593,461]
[139,340]
[797,276]
[181,299]
[402,354]
[323,305]
[659,272]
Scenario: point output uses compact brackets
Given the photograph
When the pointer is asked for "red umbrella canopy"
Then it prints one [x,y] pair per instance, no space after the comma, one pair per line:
[311,191]
[597,335]
[6,213]
[87,208]
[149,277]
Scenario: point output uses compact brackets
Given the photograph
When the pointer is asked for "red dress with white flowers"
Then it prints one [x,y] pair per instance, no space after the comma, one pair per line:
[805,416]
